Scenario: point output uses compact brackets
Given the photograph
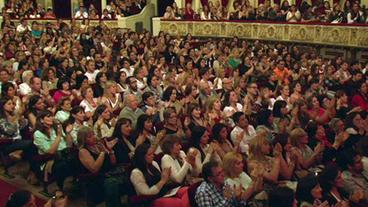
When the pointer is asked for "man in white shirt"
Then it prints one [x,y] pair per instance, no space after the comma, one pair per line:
[23,26]
[81,13]
[243,132]
[91,71]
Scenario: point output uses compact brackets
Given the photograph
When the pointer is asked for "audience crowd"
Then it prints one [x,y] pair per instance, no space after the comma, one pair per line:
[16,9]
[351,12]
[183,121]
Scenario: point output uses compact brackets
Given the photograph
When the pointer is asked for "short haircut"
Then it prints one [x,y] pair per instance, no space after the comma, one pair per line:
[295,136]
[207,169]
[168,143]
[281,197]
[236,116]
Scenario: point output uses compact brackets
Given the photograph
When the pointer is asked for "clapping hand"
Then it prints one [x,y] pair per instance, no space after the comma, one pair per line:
[110,144]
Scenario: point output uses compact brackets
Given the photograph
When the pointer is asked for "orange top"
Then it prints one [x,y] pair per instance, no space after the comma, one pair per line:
[282,75]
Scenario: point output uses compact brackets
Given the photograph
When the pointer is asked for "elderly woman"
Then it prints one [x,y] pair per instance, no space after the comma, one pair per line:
[306,157]
[149,179]
[97,157]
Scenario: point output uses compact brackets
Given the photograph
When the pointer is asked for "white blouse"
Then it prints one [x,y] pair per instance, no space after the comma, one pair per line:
[242,180]
[140,185]
[178,173]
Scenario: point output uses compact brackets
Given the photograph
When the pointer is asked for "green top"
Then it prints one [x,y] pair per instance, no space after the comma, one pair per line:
[234,63]
[43,142]
[62,116]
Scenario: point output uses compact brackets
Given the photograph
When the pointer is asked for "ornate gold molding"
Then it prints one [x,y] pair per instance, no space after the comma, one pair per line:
[351,36]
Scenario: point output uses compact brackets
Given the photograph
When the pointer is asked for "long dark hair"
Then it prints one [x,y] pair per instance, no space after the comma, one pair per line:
[40,125]
[117,130]
[71,119]
[5,87]
[167,93]
[328,176]
[278,105]
[216,129]
[31,103]
[3,101]
[139,159]
[139,127]
[304,188]
[99,110]
[263,117]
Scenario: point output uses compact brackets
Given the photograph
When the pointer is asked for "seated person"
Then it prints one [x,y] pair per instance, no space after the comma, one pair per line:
[148,179]
[97,157]
[212,193]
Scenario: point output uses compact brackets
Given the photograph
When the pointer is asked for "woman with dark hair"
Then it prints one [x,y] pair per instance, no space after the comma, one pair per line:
[317,134]
[355,127]
[170,99]
[76,120]
[317,113]
[279,109]
[231,104]
[361,97]
[195,116]
[8,89]
[98,157]
[10,126]
[35,105]
[98,87]
[153,83]
[287,159]
[63,109]
[144,130]
[150,107]
[280,119]
[331,183]
[63,70]
[265,122]
[103,123]
[64,90]
[148,179]
[309,192]
[124,149]
[221,136]
[183,166]
[49,79]
[120,79]
[81,81]
[50,138]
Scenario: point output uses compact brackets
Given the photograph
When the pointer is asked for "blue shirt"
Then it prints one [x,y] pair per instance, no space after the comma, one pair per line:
[208,195]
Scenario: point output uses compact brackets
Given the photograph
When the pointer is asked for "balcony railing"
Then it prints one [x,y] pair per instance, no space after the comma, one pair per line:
[322,33]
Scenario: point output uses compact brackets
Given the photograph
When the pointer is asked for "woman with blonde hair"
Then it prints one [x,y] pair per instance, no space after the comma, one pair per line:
[111,97]
[214,113]
[259,148]
[306,157]
[235,176]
